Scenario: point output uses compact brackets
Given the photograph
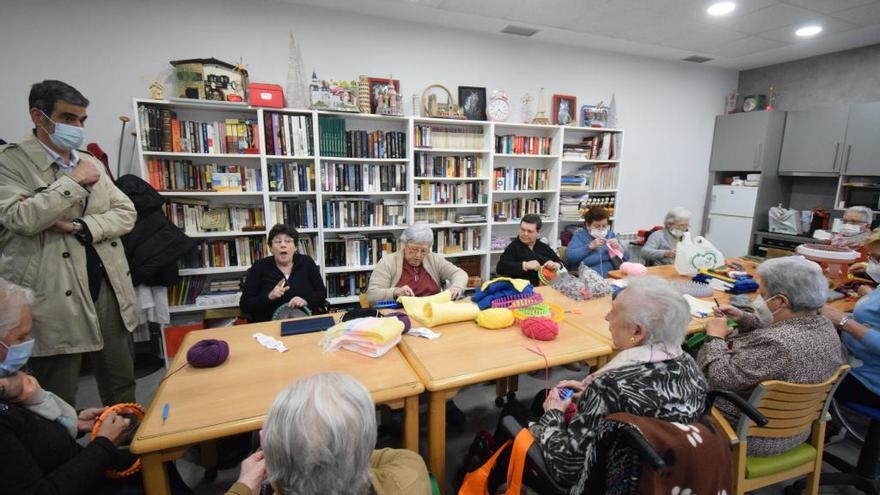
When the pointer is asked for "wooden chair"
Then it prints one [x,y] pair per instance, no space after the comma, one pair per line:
[362,298]
[790,409]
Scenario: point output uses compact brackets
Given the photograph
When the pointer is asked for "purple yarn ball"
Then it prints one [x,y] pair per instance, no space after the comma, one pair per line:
[404,318]
[207,353]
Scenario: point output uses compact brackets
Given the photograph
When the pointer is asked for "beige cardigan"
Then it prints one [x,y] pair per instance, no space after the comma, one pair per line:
[389,269]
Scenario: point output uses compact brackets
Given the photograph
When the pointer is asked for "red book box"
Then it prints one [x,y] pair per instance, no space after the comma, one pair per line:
[266,95]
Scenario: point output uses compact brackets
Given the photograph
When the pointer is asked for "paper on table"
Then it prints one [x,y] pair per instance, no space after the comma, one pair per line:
[699,308]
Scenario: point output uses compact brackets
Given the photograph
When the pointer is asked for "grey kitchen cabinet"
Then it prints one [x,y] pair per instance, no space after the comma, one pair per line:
[813,142]
[862,152]
[748,141]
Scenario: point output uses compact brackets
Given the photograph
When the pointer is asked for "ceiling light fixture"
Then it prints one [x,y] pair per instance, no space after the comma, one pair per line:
[721,8]
[807,31]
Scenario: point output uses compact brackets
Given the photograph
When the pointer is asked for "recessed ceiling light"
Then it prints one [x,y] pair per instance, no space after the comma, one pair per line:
[721,8]
[806,31]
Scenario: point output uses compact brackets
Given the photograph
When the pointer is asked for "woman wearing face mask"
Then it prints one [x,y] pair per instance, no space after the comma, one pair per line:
[38,431]
[784,339]
[595,246]
[659,249]
[855,229]
[870,268]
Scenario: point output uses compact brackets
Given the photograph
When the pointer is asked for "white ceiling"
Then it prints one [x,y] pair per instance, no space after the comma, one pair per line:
[757,33]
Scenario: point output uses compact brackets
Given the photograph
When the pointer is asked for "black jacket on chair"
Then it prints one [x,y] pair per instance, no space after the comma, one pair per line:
[154,244]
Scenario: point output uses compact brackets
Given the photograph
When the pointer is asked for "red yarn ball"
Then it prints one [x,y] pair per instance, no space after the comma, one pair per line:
[540,328]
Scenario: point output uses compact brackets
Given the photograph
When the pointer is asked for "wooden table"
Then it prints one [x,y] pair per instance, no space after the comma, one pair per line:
[467,354]
[211,403]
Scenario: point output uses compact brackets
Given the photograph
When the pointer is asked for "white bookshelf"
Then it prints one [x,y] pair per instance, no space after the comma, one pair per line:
[482,150]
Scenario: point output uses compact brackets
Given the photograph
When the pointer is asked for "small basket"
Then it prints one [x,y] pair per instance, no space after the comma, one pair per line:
[517,301]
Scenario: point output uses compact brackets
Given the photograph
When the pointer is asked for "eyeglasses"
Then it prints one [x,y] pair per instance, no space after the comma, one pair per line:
[279,242]
[417,251]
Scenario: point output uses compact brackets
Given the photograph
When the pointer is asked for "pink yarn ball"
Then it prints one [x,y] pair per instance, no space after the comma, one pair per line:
[631,269]
[540,328]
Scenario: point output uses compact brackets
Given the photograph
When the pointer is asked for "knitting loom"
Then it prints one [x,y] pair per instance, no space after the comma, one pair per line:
[135,410]
[542,310]
[518,301]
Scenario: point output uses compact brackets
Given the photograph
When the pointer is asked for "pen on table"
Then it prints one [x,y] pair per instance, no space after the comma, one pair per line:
[165,411]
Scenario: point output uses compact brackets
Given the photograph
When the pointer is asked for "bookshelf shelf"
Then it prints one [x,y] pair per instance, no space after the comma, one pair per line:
[461,205]
[591,130]
[344,269]
[584,160]
[462,254]
[209,194]
[496,251]
[171,154]
[189,308]
[290,194]
[288,157]
[532,191]
[343,300]
[518,155]
[453,225]
[362,160]
[450,179]
[187,104]
[517,222]
[450,150]
[379,228]
[231,233]
[361,116]
[213,270]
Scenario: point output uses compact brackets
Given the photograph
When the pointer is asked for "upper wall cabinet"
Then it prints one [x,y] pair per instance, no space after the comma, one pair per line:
[813,143]
[862,153]
[747,141]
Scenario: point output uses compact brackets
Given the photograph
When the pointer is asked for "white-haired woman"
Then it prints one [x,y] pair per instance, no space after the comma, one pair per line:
[650,376]
[318,440]
[784,339]
[414,270]
[855,229]
[659,249]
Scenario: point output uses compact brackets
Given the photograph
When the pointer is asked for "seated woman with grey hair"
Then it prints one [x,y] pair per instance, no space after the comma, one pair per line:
[855,229]
[318,439]
[659,249]
[415,270]
[784,338]
[650,376]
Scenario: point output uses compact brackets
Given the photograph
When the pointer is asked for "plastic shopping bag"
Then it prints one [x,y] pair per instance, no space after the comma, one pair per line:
[692,255]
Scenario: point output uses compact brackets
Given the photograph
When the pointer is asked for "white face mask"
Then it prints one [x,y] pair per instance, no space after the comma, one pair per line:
[762,311]
[599,233]
[676,232]
[849,230]
[873,270]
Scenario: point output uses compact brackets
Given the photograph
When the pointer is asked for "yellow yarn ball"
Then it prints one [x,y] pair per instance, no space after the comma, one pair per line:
[495,318]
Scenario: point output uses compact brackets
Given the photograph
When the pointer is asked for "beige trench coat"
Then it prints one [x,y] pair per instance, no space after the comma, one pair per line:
[34,194]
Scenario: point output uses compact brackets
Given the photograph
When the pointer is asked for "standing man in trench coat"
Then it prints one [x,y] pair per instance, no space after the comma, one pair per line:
[61,218]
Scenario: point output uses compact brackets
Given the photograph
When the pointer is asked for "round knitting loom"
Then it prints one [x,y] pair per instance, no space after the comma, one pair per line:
[130,408]
[542,310]
[517,301]
[696,289]
[547,273]
[285,312]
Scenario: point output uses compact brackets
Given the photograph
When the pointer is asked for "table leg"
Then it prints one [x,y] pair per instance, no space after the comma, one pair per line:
[154,474]
[437,435]
[513,384]
[411,424]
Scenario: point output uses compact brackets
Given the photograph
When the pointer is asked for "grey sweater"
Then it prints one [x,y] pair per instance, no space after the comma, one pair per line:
[654,250]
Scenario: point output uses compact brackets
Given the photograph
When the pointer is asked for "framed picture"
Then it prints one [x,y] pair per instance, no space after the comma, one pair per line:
[564,108]
[473,102]
[377,88]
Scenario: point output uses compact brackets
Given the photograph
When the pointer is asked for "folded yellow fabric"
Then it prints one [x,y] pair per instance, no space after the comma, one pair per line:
[495,318]
[517,283]
[449,312]
[415,306]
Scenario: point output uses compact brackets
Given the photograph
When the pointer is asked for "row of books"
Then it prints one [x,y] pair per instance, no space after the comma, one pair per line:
[443,193]
[363,177]
[161,130]
[186,290]
[599,147]
[361,212]
[577,180]
[289,135]
[514,209]
[222,253]
[195,216]
[521,179]
[358,249]
[523,145]
[428,165]
[605,177]
[450,241]
[298,213]
[183,175]
[335,140]
[431,136]
[305,244]
[291,176]
[347,284]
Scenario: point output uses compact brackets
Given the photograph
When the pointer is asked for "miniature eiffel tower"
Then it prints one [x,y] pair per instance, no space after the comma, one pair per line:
[540,115]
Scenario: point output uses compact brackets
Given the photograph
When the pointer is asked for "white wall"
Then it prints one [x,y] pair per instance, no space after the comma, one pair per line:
[112,49]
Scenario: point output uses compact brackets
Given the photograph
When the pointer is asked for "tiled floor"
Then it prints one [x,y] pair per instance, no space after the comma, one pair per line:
[477,402]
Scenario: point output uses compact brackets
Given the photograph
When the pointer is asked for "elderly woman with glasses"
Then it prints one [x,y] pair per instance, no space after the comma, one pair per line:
[414,270]
[659,249]
[319,438]
[783,338]
[855,229]
[285,278]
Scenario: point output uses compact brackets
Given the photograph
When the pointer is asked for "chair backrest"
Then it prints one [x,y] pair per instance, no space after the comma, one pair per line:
[790,408]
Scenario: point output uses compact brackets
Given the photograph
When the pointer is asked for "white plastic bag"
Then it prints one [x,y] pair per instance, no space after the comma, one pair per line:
[691,255]
[784,221]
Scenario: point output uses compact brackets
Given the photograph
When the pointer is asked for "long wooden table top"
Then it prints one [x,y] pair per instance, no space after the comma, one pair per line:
[467,353]
[234,397]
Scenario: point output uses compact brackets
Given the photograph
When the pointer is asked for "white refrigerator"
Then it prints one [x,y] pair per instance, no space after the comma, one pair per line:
[731,212]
